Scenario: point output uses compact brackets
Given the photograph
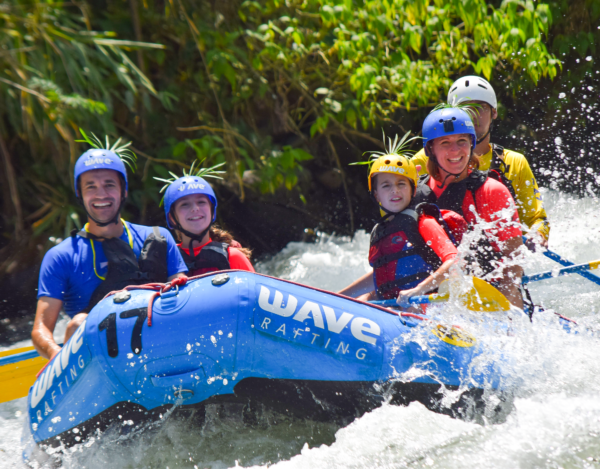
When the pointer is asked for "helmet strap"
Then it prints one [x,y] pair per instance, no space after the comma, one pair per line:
[193,236]
[456,176]
[486,134]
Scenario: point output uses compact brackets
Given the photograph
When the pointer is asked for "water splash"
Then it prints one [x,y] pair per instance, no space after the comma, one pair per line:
[556,379]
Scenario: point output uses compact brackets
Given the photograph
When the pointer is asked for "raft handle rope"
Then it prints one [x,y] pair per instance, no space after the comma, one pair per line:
[176,282]
[159,288]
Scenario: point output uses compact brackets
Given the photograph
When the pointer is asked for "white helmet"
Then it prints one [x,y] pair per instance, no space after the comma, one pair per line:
[472,88]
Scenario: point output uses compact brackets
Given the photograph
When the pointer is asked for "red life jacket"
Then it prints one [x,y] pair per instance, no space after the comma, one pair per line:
[213,256]
[400,257]
[452,199]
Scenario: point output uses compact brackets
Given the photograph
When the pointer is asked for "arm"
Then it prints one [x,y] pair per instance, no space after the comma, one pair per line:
[360,287]
[46,316]
[495,200]
[529,200]
[430,283]
[511,274]
[438,240]
[180,274]
[237,260]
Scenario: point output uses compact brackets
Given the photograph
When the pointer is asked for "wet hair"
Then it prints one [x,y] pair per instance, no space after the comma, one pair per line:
[433,167]
[222,236]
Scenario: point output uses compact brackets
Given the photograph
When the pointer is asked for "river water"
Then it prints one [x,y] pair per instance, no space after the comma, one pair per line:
[555,422]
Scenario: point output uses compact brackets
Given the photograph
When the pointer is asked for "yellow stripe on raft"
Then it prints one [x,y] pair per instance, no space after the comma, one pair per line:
[17,378]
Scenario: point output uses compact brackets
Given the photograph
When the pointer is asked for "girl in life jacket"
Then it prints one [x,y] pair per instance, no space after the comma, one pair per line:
[191,209]
[410,251]
[454,183]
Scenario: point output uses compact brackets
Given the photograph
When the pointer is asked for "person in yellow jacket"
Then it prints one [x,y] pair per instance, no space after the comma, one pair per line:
[512,165]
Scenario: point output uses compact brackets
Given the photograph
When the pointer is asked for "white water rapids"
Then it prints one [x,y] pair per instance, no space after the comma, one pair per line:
[555,422]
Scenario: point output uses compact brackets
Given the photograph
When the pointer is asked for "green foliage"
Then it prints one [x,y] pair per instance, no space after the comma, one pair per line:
[359,62]
[57,74]
[282,168]
[253,86]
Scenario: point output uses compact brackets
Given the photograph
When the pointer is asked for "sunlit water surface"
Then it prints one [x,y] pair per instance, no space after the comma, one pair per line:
[555,422]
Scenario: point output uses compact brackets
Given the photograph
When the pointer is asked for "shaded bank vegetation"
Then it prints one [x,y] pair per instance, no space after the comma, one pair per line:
[287,93]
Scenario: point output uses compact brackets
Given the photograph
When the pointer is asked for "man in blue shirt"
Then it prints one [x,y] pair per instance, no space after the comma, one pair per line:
[107,255]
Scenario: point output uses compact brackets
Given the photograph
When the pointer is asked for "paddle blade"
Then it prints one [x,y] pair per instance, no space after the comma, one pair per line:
[487,298]
[481,297]
[17,378]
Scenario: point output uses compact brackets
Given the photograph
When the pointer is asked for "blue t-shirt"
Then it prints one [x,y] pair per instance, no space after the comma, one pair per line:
[67,271]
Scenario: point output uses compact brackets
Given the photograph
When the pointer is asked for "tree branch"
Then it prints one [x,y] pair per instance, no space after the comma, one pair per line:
[349,202]
[12,186]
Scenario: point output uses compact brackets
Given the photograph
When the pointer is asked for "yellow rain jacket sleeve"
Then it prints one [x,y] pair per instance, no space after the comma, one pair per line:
[517,170]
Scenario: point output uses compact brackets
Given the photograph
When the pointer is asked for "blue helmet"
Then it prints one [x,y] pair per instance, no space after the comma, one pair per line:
[99,159]
[447,121]
[188,185]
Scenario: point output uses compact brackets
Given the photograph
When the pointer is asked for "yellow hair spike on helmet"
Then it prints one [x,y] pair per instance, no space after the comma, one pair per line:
[394,164]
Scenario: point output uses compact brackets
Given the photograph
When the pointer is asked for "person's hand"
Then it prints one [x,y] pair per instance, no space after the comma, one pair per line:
[535,241]
[404,295]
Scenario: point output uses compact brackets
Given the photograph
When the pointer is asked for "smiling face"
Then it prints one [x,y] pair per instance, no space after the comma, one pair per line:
[392,191]
[101,193]
[194,212]
[452,152]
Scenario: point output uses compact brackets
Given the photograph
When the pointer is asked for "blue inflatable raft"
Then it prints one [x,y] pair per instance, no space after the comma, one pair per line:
[248,338]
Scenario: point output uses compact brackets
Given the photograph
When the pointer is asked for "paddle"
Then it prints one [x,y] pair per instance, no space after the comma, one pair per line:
[566,263]
[564,271]
[482,297]
[562,261]
[18,370]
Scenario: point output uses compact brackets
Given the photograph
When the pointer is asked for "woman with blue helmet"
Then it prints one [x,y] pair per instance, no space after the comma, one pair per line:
[455,183]
[191,209]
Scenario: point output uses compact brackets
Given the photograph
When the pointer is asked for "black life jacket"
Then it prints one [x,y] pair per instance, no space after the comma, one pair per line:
[124,268]
[400,258]
[452,199]
[212,257]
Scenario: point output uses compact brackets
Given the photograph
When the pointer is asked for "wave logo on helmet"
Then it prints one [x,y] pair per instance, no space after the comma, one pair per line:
[190,183]
[191,187]
[391,169]
[92,161]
